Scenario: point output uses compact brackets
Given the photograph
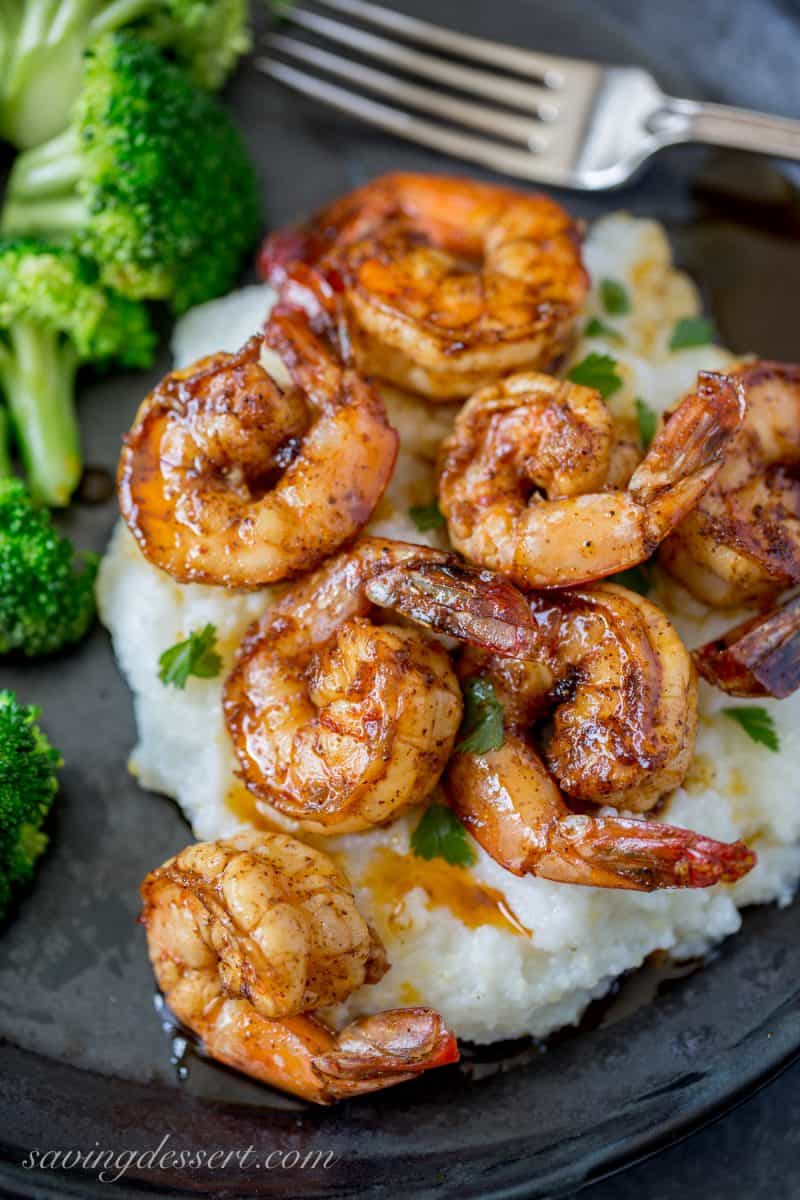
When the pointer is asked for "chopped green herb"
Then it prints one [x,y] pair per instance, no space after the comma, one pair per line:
[440,834]
[426,516]
[636,579]
[482,727]
[757,724]
[595,328]
[597,371]
[614,295]
[647,420]
[691,331]
[195,656]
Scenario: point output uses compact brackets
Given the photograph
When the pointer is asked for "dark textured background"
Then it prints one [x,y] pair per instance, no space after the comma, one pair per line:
[73,982]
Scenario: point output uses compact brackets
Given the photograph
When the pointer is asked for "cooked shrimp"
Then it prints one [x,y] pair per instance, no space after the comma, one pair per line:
[742,541]
[608,667]
[227,478]
[339,722]
[610,671]
[759,657]
[622,688]
[247,937]
[446,283]
[523,478]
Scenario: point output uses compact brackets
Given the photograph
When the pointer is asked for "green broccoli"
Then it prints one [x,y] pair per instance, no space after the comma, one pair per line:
[206,36]
[54,315]
[151,179]
[28,783]
[46,587]
[42,43]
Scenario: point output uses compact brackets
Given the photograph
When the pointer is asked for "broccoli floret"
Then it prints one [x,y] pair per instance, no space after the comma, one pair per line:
[28,783]
[42,43]
[46,586]
[151,180]
[54,315]
[206,36]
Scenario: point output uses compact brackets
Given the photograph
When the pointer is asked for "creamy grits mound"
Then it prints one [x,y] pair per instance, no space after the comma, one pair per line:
[497,955]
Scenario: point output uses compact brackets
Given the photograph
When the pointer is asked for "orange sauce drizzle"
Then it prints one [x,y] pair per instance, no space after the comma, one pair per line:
[391,876]
[247,807]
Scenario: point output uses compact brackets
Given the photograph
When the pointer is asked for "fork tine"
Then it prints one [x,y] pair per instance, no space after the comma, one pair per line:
[506,160]
[529,97]
[522,130]
[548,69]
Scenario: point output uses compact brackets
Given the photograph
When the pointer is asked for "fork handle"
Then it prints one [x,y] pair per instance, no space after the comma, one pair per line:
[723,125]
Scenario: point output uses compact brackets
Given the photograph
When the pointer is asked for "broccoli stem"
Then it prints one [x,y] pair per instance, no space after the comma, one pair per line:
[37,218]
[48,45]
[37,18]
[37,376]
[121,12]
[41,196]
[53,168]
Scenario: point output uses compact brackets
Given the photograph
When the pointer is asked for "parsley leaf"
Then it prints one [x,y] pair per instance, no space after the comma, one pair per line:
[615,298]
[647,421]
[195,656]
[426,516]
[691,331]
[636,579]
[482,727]
[597,328]
[757,724]
[597,371]
[440,834]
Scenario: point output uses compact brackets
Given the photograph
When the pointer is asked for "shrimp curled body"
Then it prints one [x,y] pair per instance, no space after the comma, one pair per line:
[742,541]
[227,478]
[523,478]
[340,722]
[248,936]
[613,674]
[447,283]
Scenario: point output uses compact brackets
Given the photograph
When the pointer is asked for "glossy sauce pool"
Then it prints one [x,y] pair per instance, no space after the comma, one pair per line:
[391,876]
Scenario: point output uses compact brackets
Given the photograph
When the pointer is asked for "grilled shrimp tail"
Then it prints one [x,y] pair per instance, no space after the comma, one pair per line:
[686,454]
[459,601]
[760,657]
[511,805]
[638,855]
[302,1054]
[378,1051]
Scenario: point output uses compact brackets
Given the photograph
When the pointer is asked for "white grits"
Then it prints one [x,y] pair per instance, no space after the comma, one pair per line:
[488,981]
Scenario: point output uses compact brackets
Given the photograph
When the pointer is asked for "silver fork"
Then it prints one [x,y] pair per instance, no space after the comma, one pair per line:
[539,117]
